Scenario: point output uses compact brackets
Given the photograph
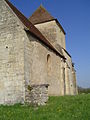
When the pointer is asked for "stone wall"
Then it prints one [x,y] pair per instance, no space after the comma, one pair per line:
[26,62]
[18,58]
[69,75]
[54,76]
[74,81]
[38,94]
[23,60]
[12,82]
[55,35]
[42,71]
[52,32]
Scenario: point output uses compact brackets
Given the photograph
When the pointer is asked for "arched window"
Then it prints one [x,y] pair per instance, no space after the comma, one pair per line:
[48,64]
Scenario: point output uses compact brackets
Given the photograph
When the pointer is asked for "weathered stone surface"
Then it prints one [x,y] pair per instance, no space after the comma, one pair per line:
[52,32]
[43,70]
[38,94]
[12,82]
[26,62]
[74,81]
[55,35]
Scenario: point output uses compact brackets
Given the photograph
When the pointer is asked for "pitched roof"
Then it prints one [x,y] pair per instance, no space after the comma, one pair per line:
[40,15]
[32,29]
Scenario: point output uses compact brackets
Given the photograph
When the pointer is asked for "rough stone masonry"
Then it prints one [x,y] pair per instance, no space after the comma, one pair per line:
[34,63]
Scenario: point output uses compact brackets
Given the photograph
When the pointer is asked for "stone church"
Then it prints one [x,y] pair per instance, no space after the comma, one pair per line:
[34,62]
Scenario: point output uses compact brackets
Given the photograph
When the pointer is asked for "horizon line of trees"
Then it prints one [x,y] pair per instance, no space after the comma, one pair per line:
[83,90]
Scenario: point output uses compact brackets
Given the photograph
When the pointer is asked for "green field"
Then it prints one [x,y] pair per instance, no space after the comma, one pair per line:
[57,108]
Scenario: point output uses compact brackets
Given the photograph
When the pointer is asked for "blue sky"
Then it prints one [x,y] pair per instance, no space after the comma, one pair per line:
[74,16]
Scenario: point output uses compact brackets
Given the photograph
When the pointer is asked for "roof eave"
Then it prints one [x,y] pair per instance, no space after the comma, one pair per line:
[67,52]
[52,48]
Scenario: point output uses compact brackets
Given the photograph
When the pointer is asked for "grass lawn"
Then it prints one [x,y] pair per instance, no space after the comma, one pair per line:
[57,108]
